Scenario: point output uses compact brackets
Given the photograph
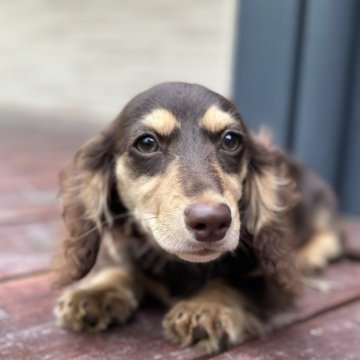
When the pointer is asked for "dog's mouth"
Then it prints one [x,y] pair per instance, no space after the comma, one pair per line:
[204,254]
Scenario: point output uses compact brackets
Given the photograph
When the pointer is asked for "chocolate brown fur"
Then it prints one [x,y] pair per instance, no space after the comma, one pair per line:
[137,201]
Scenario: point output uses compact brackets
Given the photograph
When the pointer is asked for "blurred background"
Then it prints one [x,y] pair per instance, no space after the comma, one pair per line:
[68,67]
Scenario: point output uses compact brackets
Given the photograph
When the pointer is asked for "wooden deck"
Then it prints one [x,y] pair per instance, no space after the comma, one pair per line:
[326,325]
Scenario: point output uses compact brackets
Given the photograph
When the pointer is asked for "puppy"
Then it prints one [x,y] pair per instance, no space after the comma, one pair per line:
[179,200]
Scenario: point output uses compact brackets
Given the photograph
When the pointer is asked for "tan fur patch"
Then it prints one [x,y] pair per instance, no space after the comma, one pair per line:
[162,122]
[322,248]
[264,202]
[232,183]
[216,120]
[156,202]
[145,195]
[94,193]
[324,219]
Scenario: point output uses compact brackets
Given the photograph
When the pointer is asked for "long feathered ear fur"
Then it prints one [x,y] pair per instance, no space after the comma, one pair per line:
[268,198]
[84,191]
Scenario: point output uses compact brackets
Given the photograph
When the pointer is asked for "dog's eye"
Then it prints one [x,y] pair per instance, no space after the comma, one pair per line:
[231,141]
[146,144]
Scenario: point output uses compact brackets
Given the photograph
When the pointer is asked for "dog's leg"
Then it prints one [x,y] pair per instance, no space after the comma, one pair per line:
[214,319]
[110,296]
[323,247]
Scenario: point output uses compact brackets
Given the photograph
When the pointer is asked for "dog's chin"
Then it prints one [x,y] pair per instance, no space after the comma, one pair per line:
[202,256]
[194,251]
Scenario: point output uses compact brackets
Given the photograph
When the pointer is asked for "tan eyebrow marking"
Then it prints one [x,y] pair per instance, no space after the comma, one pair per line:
[216,120]
[161,121]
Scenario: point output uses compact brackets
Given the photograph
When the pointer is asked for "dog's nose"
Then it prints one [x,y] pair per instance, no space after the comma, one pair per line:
[208,222]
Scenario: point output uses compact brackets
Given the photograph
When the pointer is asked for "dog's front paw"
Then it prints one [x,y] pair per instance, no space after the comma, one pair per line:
[94,309]
[210,325]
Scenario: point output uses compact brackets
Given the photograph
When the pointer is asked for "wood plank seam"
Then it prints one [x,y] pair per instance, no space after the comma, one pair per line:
[35,273]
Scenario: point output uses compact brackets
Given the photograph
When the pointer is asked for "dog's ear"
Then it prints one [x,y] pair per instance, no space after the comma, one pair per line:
[268,197]
[85,187]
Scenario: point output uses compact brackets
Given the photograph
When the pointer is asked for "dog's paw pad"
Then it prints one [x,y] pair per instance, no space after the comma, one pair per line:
[210,325]
[94,309]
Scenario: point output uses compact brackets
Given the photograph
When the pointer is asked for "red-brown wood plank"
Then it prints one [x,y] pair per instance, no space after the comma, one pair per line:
[31,156]
[344,281]
[351,228]
[331,336]
[26,323]
[28,205]
[27,248]
[27,330]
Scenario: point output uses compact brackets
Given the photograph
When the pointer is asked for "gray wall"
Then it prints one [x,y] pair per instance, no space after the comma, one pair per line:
[297,70]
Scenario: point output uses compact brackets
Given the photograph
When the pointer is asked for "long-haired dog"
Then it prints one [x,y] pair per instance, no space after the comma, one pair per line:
[178,199]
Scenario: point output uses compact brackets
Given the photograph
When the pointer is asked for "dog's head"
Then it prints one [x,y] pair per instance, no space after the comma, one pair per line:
[180,167]
[180,161]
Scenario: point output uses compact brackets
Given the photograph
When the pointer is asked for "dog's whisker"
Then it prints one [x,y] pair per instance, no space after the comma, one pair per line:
[103,222]
[150,218]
